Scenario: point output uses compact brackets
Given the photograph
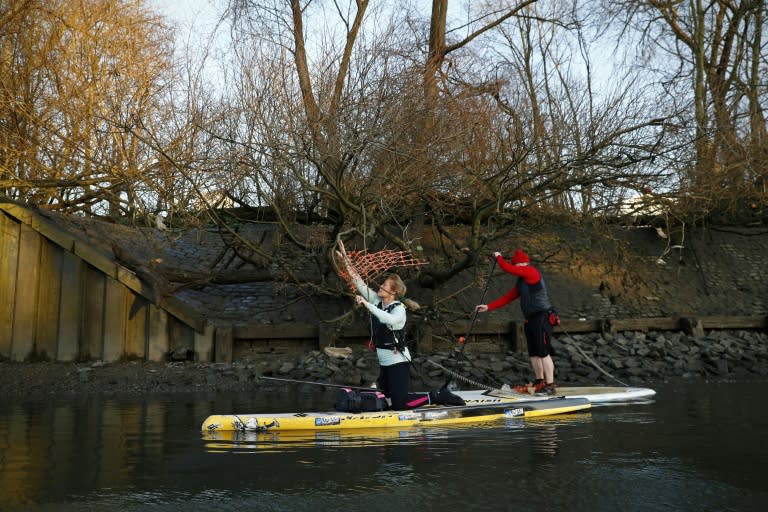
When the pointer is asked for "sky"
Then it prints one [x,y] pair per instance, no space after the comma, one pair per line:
[196,20]
[186,12]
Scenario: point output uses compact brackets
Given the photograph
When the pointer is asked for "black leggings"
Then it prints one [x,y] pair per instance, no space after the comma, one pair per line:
[394,382]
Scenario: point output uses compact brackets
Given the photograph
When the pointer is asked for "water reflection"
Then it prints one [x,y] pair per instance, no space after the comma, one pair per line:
[251,441]
[67,448]
[56,448]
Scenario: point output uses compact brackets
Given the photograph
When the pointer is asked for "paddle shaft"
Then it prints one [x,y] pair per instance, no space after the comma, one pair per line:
[314,383]
[472,320]
[482,297]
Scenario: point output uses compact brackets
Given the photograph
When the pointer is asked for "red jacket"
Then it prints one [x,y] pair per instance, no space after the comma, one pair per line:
[527,273]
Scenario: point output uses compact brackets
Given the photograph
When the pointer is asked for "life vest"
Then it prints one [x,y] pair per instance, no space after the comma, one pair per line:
[382,335]
[533,297]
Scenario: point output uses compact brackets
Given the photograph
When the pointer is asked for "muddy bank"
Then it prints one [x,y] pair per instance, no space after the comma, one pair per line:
[633,358]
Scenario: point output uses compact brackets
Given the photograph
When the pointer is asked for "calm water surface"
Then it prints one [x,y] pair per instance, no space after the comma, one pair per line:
[697,447]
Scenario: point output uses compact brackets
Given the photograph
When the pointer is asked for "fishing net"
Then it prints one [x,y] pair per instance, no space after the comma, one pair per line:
[372,265]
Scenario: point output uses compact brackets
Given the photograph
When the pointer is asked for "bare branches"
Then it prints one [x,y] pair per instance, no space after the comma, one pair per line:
[714,44]
[389,126]
[76,72]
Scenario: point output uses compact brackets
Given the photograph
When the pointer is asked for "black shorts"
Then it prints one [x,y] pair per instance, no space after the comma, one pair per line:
[538,334]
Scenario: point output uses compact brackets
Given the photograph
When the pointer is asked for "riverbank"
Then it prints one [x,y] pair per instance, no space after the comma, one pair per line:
[632,358]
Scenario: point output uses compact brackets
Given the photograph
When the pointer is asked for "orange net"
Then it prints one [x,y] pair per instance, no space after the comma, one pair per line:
[371,265]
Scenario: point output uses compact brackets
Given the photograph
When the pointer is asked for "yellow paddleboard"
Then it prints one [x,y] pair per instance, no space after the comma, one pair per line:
[429,415]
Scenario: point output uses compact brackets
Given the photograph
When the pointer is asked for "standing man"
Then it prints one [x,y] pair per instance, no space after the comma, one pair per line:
[536,307]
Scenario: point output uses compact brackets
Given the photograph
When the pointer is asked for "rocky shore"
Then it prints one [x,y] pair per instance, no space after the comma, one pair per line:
[632,358]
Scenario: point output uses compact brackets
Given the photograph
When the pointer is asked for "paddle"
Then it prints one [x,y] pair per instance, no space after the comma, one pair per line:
[463,339]
[315,383]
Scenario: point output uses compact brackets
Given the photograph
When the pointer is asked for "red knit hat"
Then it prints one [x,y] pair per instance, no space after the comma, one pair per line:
[520,257]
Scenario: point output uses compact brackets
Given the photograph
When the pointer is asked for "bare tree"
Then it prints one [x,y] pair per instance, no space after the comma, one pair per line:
[379,151]
[77,77]
[411,123]
[715,52]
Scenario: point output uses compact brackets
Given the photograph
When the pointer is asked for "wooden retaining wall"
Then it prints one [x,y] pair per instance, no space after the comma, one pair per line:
[61,300]
[237,342]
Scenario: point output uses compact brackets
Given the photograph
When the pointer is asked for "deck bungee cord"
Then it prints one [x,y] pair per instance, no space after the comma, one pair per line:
[504,390]
[572,341]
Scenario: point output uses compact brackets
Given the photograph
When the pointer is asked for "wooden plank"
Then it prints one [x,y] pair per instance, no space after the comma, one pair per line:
[9,258]
[267,334]
[326,334]
[255,332]
[49,299]
[181,335]
[182,312]
[480,327]
[354,331]
[204,344]
[96,258]
[157,344]
[70,308]
[519,342]
[735,322]
[137,329]
[18,212]
[53,233]
[25,313]
[92,329]
[253,349]
[223,344]
[174,306]
[692,326]
[578,326]
[115,314]
[132,281]
[645,324]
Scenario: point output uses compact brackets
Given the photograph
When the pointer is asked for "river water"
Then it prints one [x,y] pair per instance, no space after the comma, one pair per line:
[699,446]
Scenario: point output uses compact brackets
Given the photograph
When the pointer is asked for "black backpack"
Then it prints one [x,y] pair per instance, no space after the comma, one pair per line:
[352,400]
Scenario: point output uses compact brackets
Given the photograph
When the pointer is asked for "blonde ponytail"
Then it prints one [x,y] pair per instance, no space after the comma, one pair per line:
[411,304]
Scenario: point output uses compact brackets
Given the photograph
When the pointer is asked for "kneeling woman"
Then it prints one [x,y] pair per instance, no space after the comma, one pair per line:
[387,308]
[388,317]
